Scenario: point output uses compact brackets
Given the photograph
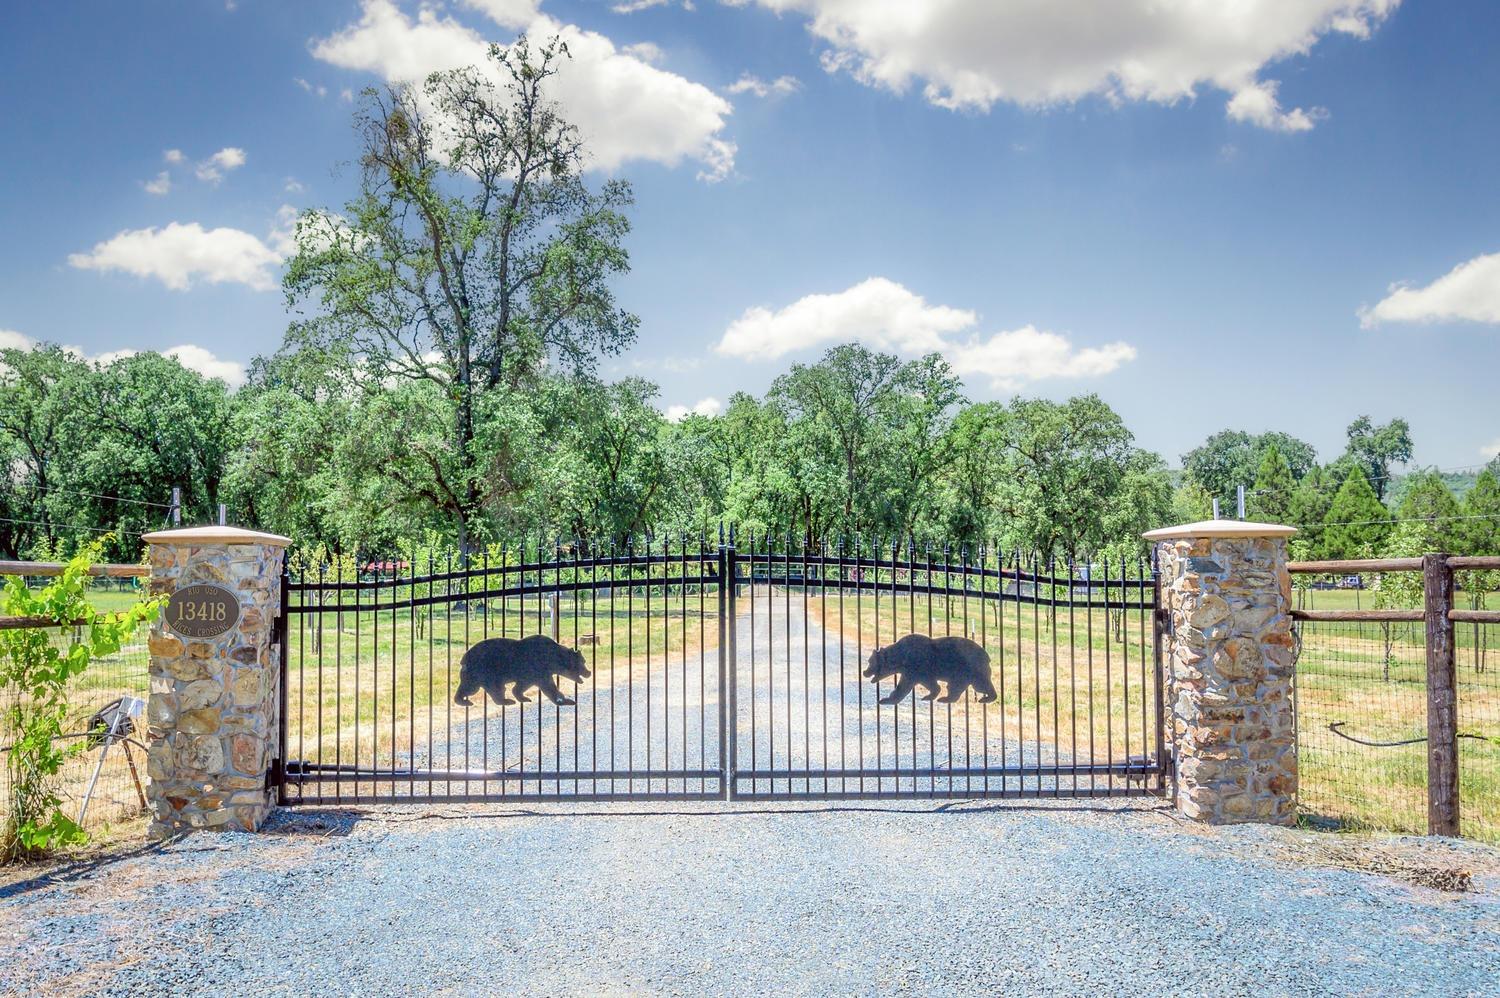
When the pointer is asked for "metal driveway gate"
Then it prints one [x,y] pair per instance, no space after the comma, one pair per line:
[685,670]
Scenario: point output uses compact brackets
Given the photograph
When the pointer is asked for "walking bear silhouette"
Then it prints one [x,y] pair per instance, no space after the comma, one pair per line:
[918,660]
[522,664]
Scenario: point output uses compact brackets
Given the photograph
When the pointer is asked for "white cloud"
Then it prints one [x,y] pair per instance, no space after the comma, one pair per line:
[213,169]
[1469,292]
[1013,358]
[969,54]
[779,87]
[1256,103]
[709,406]
[626,108]
[293,186]
[178,255]
[311,88]
[189,355]
[1491,449]
[878,312]
[884,315]
[202,360]
[173,156]
[636,6]
[161,185]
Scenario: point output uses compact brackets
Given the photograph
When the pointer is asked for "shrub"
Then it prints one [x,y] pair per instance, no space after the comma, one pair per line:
[37,674]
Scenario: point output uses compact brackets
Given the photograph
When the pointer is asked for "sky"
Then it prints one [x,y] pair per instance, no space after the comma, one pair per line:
[1273,214]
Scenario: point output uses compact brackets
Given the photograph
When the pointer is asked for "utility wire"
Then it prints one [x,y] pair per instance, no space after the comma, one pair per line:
[70,526]
[97,495]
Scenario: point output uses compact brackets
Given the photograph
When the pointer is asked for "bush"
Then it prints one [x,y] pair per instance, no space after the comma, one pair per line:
[37,675]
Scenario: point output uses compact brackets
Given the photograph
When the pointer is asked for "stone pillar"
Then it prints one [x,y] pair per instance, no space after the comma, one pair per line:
[212,717]
[1229,656]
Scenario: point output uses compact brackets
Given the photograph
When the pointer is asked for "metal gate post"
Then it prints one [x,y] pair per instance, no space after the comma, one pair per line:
[1159,622]
[728,692]
[278,761]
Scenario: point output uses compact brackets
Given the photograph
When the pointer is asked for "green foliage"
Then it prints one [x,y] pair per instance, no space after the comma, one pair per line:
[36,676]
[1270,500]
[1479,531]
[1374,449]
[1310,501]
[91,446]
[1231,458]
[1357,525]
[473,262]
[1432,512]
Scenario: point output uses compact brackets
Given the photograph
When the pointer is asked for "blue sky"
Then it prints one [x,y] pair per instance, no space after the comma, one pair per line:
[1202,217]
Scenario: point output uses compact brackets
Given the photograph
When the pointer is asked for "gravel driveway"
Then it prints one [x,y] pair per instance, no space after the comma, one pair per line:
[801,704]
[588,899]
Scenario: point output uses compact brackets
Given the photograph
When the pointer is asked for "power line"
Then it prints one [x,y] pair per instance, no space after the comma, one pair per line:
[1408,519]
[70,526]
[1334,487]
[97,495]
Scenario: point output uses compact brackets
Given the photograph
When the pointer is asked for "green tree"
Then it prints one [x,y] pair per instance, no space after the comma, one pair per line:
[474,259]
[1231,458]
[1430,511]
[39,389]
[1377,448]
[1270,500]
[1357,524]
[1479,531]
[1310,501]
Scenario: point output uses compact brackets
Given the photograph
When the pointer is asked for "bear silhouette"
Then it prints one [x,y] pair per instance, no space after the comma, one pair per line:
[918,660]
[522,664]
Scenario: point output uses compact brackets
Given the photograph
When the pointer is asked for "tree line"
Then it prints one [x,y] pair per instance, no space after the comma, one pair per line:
[438,385]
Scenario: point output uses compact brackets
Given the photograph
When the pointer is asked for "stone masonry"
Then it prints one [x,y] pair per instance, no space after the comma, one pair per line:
[212,713]
[1230,655]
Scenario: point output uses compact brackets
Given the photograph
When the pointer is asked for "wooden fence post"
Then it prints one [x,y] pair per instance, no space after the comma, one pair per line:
[1442,699]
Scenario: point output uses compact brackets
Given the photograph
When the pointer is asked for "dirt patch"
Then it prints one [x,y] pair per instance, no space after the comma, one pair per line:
[1432,864]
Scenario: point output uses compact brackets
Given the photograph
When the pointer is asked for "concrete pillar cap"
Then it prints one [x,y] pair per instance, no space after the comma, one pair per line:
[1219,528]
[200,536]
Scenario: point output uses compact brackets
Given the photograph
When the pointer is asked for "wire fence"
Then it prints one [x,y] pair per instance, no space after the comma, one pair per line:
[1361,693]
[117,794]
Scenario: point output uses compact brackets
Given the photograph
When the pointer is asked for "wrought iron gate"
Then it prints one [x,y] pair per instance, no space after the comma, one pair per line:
[688,670]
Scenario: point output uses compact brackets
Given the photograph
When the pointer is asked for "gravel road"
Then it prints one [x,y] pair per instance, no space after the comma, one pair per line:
[801,704]
[712,899]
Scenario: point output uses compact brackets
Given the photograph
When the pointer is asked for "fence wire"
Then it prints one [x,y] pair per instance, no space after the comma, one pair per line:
[115,798]
[1477,652]
[1361,691]
[1362,725]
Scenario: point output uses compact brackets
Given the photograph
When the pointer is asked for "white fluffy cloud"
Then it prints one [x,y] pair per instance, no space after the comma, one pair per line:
[1013,358]
[884,315]
[878,312]
[1469,292]
[178,255]
[782,86]
[161,185]
[189,355]
[972,53]
[625,107]
[709,406]
[212,170]
[1491,449]
[173,156]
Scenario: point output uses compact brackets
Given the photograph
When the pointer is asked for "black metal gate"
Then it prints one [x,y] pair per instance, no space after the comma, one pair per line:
[689,670]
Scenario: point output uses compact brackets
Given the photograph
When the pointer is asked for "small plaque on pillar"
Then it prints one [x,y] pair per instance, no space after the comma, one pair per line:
[203,610]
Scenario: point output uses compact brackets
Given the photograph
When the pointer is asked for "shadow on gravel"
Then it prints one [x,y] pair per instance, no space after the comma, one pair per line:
[81,869]
[341,821]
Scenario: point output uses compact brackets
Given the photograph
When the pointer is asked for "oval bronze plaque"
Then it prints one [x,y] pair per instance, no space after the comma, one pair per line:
[203,610]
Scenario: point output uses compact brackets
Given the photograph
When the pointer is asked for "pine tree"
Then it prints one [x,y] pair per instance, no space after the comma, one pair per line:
[1270,500]
[1479,531]
[1357,521]
[1310,501]
[1431,511]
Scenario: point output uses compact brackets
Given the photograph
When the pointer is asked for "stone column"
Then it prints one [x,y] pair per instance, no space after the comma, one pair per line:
[1229,653]
[212,717]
